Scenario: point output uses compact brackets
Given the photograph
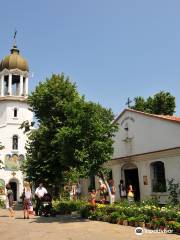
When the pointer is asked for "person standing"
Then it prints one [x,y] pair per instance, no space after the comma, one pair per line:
[27,196]
[112,189]
[130,194]
[39,193]
[78,190]
[9,200]
[103,191]
[122,190]
[93,197]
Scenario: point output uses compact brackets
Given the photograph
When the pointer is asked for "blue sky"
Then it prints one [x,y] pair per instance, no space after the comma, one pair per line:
[112,49]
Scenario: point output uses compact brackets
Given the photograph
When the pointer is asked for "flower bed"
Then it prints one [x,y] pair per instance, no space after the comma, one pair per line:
[144,215]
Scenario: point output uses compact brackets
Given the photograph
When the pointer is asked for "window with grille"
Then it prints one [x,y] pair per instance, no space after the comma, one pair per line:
[158,177]
[15,142]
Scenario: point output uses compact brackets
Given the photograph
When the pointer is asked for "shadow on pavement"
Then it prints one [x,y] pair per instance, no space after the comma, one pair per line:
[60,219]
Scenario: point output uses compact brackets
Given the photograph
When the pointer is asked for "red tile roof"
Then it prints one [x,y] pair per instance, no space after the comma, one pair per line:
[163,117]
[173,118]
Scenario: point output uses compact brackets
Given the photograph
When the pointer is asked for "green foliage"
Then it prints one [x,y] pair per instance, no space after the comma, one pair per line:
[66,207]
[132,219]
[115,217]
[74,137]
[86,210]
[2,204]
[174,191]
[167,217]
[162,103]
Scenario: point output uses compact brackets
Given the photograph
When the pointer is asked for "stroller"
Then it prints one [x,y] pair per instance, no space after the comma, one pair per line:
[46,208]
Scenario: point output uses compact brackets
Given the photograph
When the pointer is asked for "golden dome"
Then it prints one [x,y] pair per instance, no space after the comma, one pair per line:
[14,61]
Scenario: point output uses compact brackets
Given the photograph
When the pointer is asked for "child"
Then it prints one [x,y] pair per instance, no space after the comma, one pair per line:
[93,197]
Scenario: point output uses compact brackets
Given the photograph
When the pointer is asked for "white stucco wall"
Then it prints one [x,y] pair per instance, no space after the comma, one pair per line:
[145,134]
[172,169]
[9,126]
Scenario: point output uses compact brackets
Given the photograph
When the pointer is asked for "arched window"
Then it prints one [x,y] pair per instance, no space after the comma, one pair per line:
[158,177]
[15,112]
[15,142]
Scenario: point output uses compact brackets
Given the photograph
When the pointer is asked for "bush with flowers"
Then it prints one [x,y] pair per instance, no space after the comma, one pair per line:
[151,214]
[143,213]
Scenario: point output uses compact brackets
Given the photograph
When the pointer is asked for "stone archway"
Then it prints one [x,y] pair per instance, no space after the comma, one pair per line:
[131,176]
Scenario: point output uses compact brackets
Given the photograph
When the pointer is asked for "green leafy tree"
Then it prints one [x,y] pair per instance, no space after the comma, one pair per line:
[162,103]
[174,192]
[74,135]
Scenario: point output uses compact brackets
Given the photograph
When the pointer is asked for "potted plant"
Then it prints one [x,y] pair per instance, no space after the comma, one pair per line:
[121,218]
[115,217]
[131,221]
[141,221]
[125,222]
[147,220]
[162,223]
[177,227]
[155,223]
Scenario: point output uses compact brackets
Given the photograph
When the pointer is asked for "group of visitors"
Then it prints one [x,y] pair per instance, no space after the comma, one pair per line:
[125,193]
[26,199]
[103,192]
[74,193]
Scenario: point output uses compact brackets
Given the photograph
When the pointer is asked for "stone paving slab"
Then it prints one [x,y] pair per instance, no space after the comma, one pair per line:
[68,228]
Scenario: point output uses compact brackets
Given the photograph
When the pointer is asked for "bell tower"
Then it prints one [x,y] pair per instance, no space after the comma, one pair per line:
[14,75]
[14,110]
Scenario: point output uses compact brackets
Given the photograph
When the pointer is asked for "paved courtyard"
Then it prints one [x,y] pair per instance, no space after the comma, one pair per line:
[68,228]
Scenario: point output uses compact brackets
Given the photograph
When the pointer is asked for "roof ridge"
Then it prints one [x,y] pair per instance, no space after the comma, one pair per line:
[164,117]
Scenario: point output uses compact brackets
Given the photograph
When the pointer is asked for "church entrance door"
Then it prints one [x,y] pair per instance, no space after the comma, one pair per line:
[14,189]
[131,177]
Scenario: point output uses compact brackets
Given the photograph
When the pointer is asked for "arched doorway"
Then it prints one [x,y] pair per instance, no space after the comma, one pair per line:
[131,176]
[14,189]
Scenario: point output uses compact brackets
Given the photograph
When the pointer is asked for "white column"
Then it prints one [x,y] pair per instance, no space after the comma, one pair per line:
[21,85]
[10,84]
[2,86]
[26,86]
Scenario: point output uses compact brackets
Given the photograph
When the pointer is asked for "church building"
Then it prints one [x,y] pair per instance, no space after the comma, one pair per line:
[146,153]
[14,72]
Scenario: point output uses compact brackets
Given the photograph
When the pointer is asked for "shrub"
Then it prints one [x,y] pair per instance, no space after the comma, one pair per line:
[2,204]
[86,211]
[114,217]
[174,191]
[66,207]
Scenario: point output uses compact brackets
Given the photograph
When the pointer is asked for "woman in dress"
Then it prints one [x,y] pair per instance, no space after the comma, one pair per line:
[130,194]
[27,195]
[9,200]
[112,189]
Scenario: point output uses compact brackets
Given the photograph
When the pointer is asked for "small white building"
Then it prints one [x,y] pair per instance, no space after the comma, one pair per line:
[13,112]
[146,153]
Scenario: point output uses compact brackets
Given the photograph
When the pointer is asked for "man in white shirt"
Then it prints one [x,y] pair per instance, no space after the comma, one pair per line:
[39,193]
